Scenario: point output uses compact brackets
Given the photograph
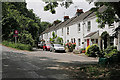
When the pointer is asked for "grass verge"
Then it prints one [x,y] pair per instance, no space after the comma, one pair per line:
[17,45]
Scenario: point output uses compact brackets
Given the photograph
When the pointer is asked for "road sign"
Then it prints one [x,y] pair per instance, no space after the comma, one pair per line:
[16,31]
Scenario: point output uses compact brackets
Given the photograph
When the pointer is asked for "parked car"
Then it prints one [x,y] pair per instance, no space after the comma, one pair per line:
[40,45]
[46,47]
[57,47]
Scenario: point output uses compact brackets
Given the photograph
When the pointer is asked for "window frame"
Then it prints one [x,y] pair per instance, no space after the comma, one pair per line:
[67,30]
[79,27]
[88,25]
[79,40]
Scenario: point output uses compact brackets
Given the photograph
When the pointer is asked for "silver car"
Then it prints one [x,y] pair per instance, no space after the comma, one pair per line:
[57,47]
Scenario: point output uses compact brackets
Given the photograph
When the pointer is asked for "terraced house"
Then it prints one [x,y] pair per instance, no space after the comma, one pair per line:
[82,30]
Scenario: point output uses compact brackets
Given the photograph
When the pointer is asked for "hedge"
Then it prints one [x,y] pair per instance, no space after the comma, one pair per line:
[17,45]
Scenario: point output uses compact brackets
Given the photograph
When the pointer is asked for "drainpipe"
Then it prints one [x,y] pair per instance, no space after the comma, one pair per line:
[83,33]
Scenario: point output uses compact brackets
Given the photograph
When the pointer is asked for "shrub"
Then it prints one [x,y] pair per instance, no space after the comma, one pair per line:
[82,50]
[17,45]
[93,51]
[109,49]
[111,53]
[70,46]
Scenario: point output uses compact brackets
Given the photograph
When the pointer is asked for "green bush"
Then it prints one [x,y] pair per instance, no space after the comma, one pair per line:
[111,53]
[93,51]
[109,49]
[82,49]
[17,45]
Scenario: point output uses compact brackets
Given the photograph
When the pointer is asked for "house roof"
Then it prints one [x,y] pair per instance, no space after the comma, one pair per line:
[91,34]
[75,19]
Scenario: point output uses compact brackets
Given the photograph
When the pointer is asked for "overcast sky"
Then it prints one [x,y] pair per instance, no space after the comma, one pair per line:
[38,9]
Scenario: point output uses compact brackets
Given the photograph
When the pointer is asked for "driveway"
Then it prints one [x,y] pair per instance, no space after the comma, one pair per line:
[41,65]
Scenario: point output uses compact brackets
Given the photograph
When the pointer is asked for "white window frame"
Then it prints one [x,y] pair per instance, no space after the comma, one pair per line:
[88,25]
[79,27]
[79,41]
[67,30]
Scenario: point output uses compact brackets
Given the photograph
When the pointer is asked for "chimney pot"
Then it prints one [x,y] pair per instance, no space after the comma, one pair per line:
[79,11]
[66,18]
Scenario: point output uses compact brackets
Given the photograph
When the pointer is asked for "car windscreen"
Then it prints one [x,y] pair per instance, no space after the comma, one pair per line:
[58,45]
[48,44]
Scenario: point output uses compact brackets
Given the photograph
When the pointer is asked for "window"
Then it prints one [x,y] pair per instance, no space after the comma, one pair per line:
[92,40]
[89,26]
[67,41]
[71,40]
[62,31]
[74,40]
[79,27]
[67,30]
[79,42]
[96,41]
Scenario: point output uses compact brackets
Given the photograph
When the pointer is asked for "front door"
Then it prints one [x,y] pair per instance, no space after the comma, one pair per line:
[87,42]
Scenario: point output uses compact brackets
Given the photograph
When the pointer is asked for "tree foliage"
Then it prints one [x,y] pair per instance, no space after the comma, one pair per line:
[52,4]
[108,16]
[52,40]
[17,17]
[45,25]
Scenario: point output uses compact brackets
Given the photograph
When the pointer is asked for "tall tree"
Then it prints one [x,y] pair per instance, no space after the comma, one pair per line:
[52,4]
[110,15]
[16,16]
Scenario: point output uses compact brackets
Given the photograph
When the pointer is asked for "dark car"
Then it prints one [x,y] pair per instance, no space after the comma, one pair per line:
[46,47]
[40,45]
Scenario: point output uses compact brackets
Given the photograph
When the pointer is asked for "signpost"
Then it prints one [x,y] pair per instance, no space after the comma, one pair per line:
[15,35]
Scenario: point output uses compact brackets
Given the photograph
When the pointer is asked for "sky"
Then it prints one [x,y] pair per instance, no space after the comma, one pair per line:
[38,9]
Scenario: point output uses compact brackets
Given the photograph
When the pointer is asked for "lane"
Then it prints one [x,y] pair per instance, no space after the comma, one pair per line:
[41,65]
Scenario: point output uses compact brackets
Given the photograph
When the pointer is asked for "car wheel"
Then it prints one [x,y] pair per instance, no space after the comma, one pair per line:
[43,49]
[50,50]
[54,50]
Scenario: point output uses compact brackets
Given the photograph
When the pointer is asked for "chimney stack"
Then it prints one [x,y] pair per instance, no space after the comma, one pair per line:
[66,18]
[79,11]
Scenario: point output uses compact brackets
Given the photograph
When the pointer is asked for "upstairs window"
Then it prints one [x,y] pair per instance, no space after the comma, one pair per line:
[71,40]
[79,42]
[79,27]
[74,40]
[67,41]
[67,30]
[89,26]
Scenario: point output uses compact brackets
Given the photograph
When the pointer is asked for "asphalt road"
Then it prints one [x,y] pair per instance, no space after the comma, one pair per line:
[40,65]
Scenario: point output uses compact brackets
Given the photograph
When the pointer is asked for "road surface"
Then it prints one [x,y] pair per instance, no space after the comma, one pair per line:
[40,65]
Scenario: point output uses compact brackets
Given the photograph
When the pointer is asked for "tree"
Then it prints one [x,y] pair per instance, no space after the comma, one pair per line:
[110,15]
[56,22]
[52,40]
[106,17]
[59,40]
[16,16]
[45,25]
[52,4]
